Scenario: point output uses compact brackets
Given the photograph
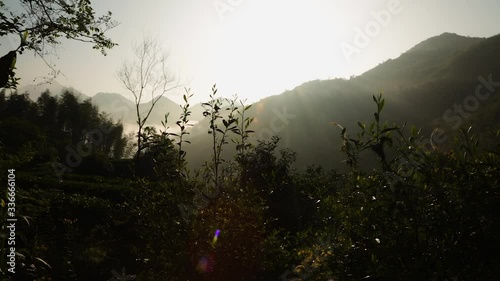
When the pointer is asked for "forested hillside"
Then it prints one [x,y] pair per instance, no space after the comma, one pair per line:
[419,86]
[329,181]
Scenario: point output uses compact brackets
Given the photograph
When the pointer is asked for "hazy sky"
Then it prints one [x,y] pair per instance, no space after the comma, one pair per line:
[256,48]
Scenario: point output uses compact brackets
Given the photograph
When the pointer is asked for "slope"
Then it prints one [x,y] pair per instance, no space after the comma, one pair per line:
[419,87]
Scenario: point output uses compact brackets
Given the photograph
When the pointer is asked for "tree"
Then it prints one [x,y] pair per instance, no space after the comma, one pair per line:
[70,116]
[48,111]
[146,74]
[44,23]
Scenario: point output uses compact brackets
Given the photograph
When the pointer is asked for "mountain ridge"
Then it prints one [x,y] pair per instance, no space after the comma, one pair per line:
[419,87]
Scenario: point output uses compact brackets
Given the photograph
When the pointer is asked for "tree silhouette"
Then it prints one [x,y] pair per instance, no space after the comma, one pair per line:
[42,24]
[147,74]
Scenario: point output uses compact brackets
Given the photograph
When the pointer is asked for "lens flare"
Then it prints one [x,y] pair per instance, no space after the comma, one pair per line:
[202,265]
[206,264]
[216,236]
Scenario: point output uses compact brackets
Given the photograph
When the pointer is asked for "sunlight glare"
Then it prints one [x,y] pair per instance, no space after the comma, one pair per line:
[280,44]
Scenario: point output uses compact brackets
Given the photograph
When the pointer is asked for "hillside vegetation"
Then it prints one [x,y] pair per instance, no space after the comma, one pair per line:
[403,186]
[419,86]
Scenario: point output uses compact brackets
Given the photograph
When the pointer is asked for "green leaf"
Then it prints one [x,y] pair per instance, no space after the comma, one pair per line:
[43,262]
[13,64]
[381,106]
[388,130]
[26,219]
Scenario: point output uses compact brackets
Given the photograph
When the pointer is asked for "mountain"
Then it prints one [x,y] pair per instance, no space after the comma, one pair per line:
[196,112]
[424,86]
[54,87]
[120,108]
[116,105]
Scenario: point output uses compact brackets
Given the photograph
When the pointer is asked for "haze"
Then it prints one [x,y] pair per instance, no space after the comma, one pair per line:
[257,48]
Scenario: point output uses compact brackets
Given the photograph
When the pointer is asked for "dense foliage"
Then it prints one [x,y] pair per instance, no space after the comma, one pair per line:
[425,213]
[63,131]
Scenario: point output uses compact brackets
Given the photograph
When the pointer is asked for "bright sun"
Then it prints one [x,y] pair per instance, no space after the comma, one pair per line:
[276,44]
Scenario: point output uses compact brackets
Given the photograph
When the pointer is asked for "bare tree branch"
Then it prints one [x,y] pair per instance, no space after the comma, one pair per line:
[147,73]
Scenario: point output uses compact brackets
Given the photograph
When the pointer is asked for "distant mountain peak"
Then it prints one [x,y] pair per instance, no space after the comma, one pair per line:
[445,40]
[54,87]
